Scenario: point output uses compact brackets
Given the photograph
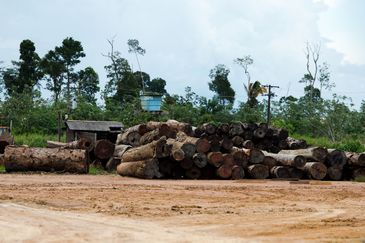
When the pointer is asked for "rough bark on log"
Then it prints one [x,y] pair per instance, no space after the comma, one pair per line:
[258,171]
[226,144]
[223,129]
[193,173]
[297,161]
[146,169]
[120,150]
[240,157]
[104,149]
[296,144]
[336,158]
[296,173]
[140,128]
[269,162]
[248,144]
[356,173]
[224,171]
[236,129]
[355,159]
[334,173]
[311,154]
[237,141]
[180,126]
[202,144]
[186,163]
[189,149]
[209,128]
[215,158]
[155,149]
[280,172]
[237,172]
[200,160]
[256,156]
[155,134]
[45,159]
[315,170]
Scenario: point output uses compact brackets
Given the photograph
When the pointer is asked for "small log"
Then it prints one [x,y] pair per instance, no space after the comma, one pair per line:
[208,172]
[197,132]
[180,126]
[315,170]
[355,159]
[200,160]
[311,154]
[112,164]
[258,171]
[155,149]
[297,161]
[237,141]
[359,172]
[240,157]
[280,172]
[146,169]
[209,128]
[193,173]
[202,145]
[296,173]
[236,129]
[228,160]
[223,129]
[334,173]
[226,144]
[280,133]
[237,172]
[186,163]
[296,143]
[215,159]
[256,156]
[336,158]
[104,149]
[45,159]
[248,144]
[260,132]
[224,171]
[270,162]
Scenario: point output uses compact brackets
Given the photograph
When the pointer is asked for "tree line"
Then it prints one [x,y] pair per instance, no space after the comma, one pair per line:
[74,92]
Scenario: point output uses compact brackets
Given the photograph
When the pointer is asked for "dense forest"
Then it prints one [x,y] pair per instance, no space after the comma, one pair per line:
[74,93]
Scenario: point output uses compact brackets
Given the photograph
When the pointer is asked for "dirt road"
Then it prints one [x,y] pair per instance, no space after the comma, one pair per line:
[110,208]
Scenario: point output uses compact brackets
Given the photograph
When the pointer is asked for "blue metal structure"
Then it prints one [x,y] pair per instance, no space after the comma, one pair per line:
[151,102]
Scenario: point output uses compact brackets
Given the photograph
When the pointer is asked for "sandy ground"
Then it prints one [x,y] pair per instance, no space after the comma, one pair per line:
[109,208]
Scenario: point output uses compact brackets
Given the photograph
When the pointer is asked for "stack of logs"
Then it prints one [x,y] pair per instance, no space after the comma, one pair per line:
[177,150]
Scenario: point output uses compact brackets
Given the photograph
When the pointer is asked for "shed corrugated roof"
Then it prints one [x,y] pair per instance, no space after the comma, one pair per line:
[95,126]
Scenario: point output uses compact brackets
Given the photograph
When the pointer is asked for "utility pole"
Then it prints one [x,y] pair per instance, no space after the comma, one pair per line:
[269,95]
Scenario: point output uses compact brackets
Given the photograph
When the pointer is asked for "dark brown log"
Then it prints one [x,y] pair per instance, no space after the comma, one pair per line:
[248,144]
[256,156]
[269,162]
[315,170]
[154,135]
[146,169]
[129,137]
[311,154]
[104,149]
[140,128]
[215,145]
[45,159]
[249,126]
[193,173]
[112,164]
[240,157]
[186,163]
[336,158]
[359,172]
[247,135]
[296,143]
[228,160]
[209,128]
[282,144]
[224,171]
[236,129]
[260,132]
[200,160]
[280,133]
[297,161]
[237,172]
[258,171]
[280,172]
[120,150]
[155,149]
[202,145]
[237,141]
[296,173]
[166,166]
[223,129]
[215,158]
[355,159]
[334,173]
[197,132]
[208,172]
[226,144]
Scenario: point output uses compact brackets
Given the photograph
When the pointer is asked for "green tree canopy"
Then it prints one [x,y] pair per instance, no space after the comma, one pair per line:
[221,85]
[88,85]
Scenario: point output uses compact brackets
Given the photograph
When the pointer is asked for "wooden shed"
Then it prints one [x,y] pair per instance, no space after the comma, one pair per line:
[76,129]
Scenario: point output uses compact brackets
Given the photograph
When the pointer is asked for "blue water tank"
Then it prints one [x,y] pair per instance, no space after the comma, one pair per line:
[151,102]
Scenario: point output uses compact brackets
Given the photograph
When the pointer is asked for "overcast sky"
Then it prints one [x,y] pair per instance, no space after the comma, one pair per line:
[184,39]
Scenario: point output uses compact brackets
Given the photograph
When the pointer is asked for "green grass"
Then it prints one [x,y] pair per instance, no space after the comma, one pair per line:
[97,171]
[2,168]
[360,179]
[35,140]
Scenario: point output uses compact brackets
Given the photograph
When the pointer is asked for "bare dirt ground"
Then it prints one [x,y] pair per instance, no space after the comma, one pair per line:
[109,208]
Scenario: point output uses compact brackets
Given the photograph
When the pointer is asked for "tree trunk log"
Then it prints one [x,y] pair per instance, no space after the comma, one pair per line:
[237,141]
[248,144]
[258,171]
[224,171]
[209,128]
[188,149]
[240,157]
[223,129]
[119,150]
[155,149]
[280,172]
[237,172]
[193,173]
[356,159]
[180,126]
[215,159]
[270,162]
[146,169]
[226,144]
[315,170]
[202,144]
[236,129]
[297,161]
[311,154]
[45,159]
[296,173]
[336,158]
[334,173]
[104,149]
[296,144]
[256,156]
[200,160]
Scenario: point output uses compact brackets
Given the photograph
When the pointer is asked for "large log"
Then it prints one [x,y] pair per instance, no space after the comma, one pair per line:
[280,172]
[315,170]
[82,143]
[180,126]
[334,173]
[226,144]
[193,173]
[336,158]
[202,144]
[296,143]
[240,157]
[200,160]
[45,159]
[270,162]
[155,149]
[355,159]
[311,154]
[258,171]
[224,171]
[104,149]
[296,173]
[215,159]
[248,144]
[256,156]
[237,172]
[293,160]
[236,129]
[119,150]
[129,137]
[146,169]
[178,147]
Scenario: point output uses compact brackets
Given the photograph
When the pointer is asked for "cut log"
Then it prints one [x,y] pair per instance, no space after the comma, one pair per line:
[228,160]
[237,172]
[296,173]
[215,159]
[360,172]
[193,173]
[258,171]
[82,143]
[256,156]
[112,164]
[186,163]
[281,134]
[180,126]
[296,143]
[236,129]
[315,170]
[334,173]
[240,157]
[129,137]
[355,159]
[209,128]
[280,172]
[202,144]
[270,162]
[104,149]
[223,129]
[146,169]
[155,149]
[224,171]
[214,141]
[120,150]
[140,128]
[297,161]
[45,159]
[237,141]
[260,132]
[336,158]
[226,144]
[187,148]
[311,154]
[200,160]
[248,144]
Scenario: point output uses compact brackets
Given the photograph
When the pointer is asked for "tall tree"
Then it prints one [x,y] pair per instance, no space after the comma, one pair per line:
[71,51]
[54,69]
[134,47]
[156,85]
[88,84]
[221,85]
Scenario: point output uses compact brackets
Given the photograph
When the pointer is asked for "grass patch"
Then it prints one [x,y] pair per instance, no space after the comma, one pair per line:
[360,179]
[35,139]
[2,168]
[93,170]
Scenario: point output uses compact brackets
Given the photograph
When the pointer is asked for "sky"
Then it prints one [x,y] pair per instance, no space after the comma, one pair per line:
[184,39]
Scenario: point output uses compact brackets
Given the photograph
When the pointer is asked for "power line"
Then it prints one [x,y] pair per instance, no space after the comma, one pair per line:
[269,95]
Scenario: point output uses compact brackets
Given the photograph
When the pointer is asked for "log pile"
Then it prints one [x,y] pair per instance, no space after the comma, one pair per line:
[236,150]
